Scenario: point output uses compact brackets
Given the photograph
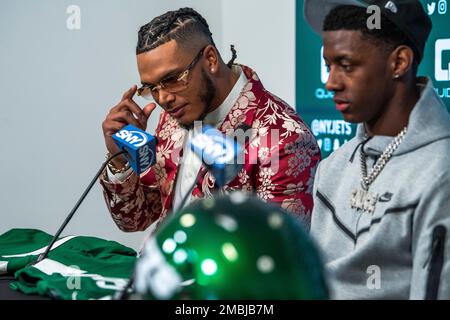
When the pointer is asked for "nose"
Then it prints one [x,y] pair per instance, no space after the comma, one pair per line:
[164,97]
[334,82]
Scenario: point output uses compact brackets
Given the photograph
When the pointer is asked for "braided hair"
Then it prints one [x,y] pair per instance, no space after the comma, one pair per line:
[180,25]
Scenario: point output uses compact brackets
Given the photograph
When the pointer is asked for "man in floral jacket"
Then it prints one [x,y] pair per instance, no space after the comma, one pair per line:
[183,72]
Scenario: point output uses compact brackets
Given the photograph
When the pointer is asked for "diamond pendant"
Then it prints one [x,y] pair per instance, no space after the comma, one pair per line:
[363,200]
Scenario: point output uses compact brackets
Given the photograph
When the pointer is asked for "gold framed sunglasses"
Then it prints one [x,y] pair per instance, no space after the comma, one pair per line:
[171,84]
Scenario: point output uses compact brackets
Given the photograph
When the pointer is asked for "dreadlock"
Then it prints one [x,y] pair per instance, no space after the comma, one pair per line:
[234,56]
[389,37]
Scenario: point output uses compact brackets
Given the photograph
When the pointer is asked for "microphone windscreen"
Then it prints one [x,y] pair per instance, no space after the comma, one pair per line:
[219,153]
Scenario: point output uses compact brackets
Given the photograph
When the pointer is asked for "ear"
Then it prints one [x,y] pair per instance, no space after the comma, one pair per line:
[401,61]
[212,59]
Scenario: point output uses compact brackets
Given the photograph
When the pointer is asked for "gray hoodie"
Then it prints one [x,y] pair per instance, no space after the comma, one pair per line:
[401,250]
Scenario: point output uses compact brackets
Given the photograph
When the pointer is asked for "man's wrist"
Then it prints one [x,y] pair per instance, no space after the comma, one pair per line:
[117,169]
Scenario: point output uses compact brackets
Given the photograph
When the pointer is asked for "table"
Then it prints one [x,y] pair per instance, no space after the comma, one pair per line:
[7,294]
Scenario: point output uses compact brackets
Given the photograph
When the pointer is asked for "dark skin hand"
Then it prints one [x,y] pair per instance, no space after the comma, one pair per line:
[124,113]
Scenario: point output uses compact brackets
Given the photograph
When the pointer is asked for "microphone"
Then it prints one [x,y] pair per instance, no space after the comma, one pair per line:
[140,147]
[219,153]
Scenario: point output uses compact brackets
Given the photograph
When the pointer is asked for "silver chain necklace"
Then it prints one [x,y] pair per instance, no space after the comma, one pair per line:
[362,199]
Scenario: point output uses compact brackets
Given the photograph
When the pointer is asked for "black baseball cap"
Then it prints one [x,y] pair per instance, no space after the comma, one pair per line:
[408,15]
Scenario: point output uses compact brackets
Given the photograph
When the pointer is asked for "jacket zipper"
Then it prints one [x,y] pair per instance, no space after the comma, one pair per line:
[436,262]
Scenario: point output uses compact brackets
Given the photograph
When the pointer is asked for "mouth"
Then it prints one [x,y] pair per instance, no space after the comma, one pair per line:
[341,105]
[178,112]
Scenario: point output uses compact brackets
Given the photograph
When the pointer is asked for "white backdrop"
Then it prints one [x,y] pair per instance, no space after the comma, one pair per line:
[57,84]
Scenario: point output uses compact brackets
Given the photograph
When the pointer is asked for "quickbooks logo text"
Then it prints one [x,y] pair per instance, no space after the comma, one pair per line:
[322,93]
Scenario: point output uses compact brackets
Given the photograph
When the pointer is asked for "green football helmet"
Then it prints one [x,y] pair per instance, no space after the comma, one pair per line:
[234,247]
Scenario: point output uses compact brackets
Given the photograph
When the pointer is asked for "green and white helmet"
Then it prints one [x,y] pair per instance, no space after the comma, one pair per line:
[235,247]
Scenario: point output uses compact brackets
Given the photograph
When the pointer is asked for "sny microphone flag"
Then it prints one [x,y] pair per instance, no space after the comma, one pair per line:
[139,145]
[219,153]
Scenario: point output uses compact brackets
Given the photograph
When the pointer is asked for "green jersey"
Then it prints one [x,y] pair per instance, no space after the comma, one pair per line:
[77,267]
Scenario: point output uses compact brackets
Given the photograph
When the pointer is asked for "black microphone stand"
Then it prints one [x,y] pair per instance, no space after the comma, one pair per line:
[42,256]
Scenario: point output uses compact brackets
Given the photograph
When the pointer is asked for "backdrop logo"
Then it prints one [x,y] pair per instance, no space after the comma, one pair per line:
[442,6]
[322,93]
[441,73]
[431,8]
[324,74]
[330,133]
[331,127]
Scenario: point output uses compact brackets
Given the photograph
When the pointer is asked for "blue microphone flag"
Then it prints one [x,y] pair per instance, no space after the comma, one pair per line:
[139,145]
[218,153]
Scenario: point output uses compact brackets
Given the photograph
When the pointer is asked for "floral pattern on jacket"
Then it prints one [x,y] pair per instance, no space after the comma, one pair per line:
[280,162]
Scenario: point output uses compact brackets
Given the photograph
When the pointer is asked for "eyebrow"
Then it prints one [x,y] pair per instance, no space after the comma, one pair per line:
[343,57]
[339,58]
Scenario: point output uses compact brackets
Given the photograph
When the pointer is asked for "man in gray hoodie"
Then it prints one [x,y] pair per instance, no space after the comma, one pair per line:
[382,201]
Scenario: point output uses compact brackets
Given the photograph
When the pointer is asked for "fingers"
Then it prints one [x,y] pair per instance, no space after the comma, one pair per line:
[148,109]
[129,93]
[128,104]
[127,112]
[138,114]
[124,113]
[109,129]
[126,117]
[110,126]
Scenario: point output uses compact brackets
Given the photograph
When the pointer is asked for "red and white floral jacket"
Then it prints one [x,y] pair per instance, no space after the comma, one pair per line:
[280,162]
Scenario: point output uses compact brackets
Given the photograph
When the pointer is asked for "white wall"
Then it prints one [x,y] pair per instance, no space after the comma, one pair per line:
[263,32]
[57,85]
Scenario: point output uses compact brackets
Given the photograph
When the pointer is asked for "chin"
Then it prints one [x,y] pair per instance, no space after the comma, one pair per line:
[185,125]
[189,118]
[186,121]
[352,118]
